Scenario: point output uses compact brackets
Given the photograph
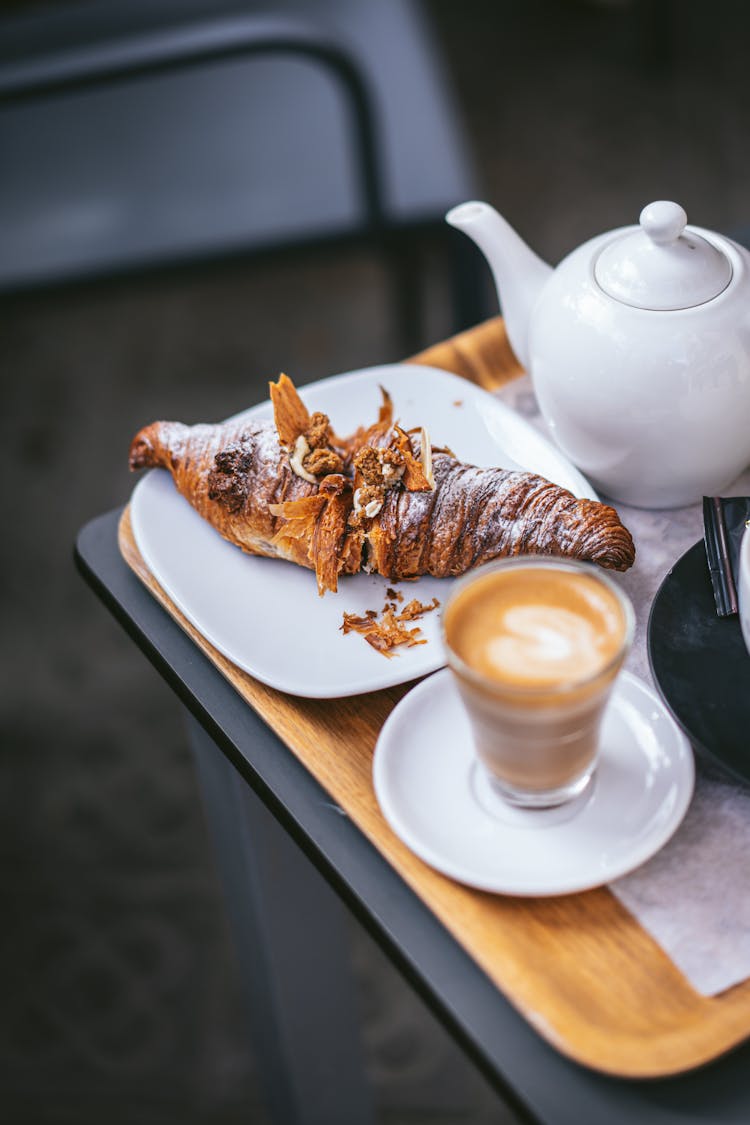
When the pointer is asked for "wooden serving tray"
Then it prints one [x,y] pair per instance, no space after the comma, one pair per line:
[579,967]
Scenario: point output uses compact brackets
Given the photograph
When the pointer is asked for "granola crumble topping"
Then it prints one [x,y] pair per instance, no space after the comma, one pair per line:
[321,461]
[312,455]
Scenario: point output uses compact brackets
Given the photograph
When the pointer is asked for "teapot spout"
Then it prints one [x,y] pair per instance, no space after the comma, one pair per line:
[518,272]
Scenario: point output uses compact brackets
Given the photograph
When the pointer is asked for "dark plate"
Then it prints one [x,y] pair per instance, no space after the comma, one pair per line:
[701,666]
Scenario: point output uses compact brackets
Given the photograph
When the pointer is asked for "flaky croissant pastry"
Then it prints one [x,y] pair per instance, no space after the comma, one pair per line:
[381,500]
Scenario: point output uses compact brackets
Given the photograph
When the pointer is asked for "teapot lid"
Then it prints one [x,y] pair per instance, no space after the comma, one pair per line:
[660,265]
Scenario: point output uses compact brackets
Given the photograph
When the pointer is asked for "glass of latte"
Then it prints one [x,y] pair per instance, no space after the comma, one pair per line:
[535,645]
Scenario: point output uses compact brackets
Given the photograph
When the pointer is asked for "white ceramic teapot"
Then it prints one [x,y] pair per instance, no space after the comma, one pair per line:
[638,345]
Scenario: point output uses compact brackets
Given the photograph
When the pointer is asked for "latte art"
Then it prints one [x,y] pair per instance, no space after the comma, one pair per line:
[536,627]
[546,642]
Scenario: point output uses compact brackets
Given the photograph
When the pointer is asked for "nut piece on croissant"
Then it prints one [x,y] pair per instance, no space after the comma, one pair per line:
[395,505]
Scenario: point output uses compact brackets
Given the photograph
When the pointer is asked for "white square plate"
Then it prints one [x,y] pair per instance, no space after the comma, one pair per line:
[265,615]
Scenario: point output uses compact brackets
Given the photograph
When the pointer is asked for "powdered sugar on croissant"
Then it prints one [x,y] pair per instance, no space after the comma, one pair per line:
[381,499]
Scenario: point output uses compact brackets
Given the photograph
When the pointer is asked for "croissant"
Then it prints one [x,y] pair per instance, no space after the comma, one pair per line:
[381,500]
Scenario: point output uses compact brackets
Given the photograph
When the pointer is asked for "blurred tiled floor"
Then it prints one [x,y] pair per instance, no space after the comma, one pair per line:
[119,991]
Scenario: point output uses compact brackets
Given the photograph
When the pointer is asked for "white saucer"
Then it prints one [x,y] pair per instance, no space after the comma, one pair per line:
[436,797]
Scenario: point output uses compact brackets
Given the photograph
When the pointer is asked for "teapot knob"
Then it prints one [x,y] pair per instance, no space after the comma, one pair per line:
[663,221]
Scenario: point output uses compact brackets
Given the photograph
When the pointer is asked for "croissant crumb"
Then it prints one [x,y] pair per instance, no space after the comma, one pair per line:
[389,631]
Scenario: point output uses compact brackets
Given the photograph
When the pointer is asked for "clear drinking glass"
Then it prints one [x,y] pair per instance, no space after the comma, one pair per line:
[538,740]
